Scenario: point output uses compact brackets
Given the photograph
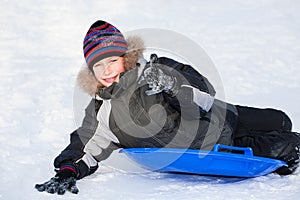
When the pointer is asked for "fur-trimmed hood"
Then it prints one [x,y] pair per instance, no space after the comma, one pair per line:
[86,80]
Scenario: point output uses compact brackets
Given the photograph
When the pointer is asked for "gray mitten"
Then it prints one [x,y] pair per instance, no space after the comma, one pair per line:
[157,79]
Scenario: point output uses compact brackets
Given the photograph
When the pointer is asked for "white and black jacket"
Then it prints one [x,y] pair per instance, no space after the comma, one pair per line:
[123,116]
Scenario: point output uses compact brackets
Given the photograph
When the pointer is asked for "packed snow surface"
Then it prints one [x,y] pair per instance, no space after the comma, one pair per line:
[255,46]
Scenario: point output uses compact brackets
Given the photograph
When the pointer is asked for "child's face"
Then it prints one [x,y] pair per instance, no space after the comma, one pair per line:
[108,70]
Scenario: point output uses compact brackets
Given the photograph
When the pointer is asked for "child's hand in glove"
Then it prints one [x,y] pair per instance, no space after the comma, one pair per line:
[64,180]
[157,79]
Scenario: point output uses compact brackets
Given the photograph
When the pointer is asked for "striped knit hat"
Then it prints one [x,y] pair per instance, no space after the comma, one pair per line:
[101,41]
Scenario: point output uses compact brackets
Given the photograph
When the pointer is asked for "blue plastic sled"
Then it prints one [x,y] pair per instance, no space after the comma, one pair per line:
[216,162]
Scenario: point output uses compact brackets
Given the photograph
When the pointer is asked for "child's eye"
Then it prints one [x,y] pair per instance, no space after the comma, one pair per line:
[97,65]
[113,60]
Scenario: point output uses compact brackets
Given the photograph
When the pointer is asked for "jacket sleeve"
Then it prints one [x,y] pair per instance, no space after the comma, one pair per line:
[196,94]
[76,153]
[194,78]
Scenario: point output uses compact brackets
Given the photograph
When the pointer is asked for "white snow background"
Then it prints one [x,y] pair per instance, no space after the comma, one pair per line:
[254,44]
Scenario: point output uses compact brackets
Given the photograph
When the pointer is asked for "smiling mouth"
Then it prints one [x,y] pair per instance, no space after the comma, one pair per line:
[111,79]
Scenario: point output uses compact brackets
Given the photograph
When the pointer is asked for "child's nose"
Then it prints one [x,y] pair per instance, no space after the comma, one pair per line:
[108,70]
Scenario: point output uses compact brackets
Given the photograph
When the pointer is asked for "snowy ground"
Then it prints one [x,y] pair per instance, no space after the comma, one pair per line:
[255,46]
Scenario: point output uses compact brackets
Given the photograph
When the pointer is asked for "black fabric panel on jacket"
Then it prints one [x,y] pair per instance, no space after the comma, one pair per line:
[72,152]
[184,104]
[84,170]
[183,101]
[81,136]
[194,77]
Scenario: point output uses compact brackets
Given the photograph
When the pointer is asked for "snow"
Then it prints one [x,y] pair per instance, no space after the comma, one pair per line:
[254,45]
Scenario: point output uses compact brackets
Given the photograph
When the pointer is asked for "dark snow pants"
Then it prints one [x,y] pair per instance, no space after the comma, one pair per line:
[268,133]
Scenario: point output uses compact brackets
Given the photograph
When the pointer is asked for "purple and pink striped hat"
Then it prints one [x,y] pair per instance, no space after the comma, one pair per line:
[101,41]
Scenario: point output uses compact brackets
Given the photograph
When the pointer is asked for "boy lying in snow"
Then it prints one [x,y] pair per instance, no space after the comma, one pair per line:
[124,111]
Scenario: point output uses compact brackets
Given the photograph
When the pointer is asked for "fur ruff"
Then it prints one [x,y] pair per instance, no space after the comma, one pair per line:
[85,78]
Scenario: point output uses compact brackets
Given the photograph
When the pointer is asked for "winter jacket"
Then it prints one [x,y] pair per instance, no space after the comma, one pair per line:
[123,116]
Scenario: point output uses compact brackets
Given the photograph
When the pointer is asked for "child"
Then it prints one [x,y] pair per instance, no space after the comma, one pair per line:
[161,103]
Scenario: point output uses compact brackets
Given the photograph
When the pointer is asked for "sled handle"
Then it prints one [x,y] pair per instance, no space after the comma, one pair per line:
[247,150]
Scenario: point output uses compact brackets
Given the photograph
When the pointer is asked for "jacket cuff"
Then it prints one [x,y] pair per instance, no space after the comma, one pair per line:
[84,169]
[68,167]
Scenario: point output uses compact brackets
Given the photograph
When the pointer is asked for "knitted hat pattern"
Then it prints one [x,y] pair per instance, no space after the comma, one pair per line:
[101,41]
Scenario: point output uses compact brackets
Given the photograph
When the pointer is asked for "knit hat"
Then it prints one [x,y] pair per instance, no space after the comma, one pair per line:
[101,41]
